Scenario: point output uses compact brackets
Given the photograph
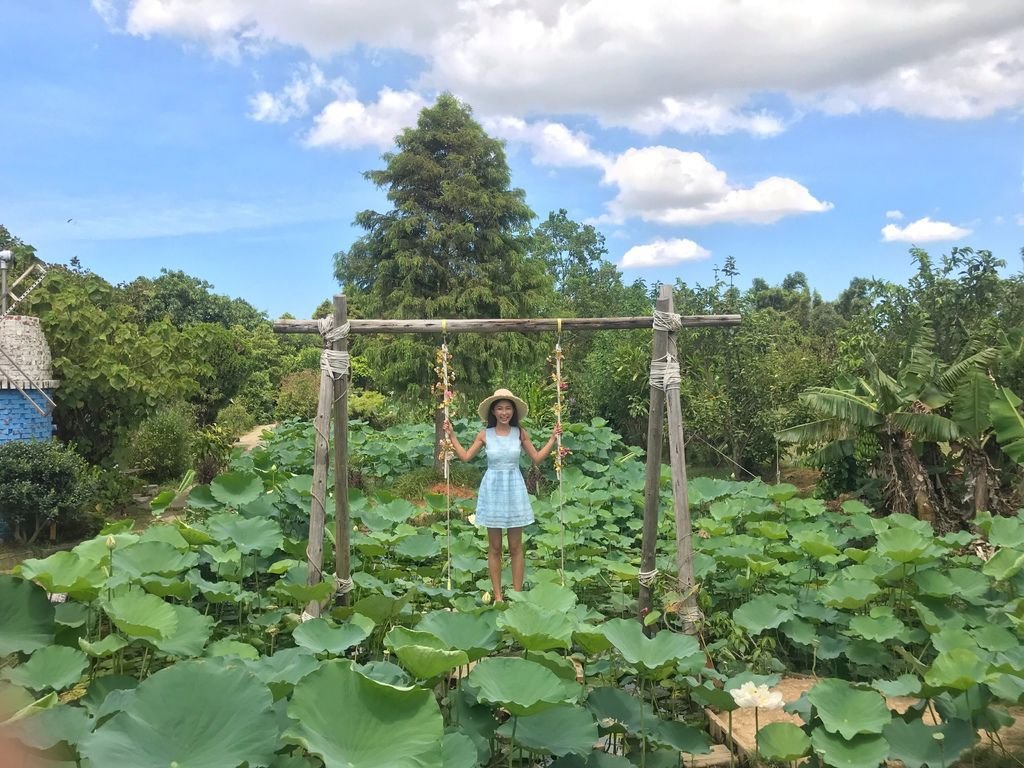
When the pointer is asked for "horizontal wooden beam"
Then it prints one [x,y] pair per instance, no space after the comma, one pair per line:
[500,325]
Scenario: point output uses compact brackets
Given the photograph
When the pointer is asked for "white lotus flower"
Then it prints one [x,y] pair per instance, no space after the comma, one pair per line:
[751,696]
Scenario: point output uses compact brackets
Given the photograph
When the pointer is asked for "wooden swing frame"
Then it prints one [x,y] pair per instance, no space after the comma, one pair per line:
[333,397]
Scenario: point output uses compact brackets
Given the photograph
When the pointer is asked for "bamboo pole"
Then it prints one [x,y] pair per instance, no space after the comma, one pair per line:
[501,325]
[342,523]
[680,494]
[653,478]
[318,511]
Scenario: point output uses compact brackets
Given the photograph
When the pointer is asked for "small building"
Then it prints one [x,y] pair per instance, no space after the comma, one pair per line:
[26,380]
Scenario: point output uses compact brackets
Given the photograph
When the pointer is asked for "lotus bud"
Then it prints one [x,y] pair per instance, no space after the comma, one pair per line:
[486,599]
[111,541]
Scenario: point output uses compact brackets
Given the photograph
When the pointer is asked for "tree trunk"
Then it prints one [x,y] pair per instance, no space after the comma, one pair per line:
[438,437]
[925,502]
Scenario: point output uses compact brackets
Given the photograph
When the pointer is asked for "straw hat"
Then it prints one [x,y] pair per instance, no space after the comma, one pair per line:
[503,394]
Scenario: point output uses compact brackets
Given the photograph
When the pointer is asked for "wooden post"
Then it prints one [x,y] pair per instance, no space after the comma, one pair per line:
[318,512]
[342,523]
[680,495]
[653,478]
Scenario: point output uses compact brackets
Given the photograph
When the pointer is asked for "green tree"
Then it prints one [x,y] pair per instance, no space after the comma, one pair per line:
[186,300]
[453,244]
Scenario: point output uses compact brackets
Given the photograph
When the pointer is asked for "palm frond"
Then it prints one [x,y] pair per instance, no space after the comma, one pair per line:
[953,375]
[971,403]
[845,406]
[926,426]
[814,432]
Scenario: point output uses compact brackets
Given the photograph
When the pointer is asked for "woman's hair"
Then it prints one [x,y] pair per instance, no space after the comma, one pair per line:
[492,420]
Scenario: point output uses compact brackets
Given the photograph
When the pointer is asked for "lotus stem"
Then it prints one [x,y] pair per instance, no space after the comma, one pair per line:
[732,746]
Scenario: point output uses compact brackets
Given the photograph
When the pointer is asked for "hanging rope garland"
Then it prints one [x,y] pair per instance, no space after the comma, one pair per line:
[445,378]
[561,385]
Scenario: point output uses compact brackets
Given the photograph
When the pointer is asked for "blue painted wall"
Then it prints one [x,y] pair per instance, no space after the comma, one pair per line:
[20,421]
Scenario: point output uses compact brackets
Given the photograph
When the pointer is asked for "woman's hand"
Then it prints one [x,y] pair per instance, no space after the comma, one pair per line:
[447,428]
[557,430]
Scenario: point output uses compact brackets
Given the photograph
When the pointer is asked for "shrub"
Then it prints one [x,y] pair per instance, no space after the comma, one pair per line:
[373,407]
[212,450]
[235,420]
[161,447]
[298,396]
[43,482]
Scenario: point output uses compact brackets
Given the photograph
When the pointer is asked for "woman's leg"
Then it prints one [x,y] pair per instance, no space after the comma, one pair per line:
[494,561]
[515,551]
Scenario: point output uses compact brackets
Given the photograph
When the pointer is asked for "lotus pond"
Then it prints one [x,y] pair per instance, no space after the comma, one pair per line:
[182,645]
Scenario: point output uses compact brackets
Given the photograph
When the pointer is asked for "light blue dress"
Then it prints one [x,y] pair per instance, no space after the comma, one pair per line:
[503,501]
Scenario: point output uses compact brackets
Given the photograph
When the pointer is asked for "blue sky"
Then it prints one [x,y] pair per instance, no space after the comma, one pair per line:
[228,137]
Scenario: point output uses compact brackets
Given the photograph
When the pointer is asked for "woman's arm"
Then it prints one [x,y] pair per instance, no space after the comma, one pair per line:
[462,453]
[538,456]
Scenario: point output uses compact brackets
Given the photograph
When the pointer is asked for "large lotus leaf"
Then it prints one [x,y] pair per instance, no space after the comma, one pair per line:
[937,616]
[424,654]
[1004,565]
[476,634]
[215,591]
[153,557]
[165,532]
[536,629]
[904,685]
[230,648]
[681,737]
[194,714]
[652,653]
[422,546]
[904,545]
[878,629]
[761,613]
[284,669]
[523,687]
[236,489]
[934,583]
[849,593]
[108,646]
[957,668]
[1006,531]
[591,639]
[138,614]
[53,667]
[995,638]
[381,608]
[351,721]
[26,616]
[635,715]
[561,730]
[385,672]
[782,742]
[248,534]
[101,689]
[848,711]
[200,497]
[459,751]
[66,572]
[167,586]
[49,727]
[320,636]
[396,510]
[193,536]
[548,596]
[915,744]
[863,751]
[97,549]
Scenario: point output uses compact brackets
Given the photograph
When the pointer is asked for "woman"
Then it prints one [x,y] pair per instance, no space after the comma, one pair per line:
[503,502]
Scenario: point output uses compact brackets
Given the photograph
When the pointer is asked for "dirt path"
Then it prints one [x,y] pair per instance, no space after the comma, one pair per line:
[253,437]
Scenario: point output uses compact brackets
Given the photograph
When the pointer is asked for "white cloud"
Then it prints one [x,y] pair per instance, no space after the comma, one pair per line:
[553,144]
[348,123]
[663,253]
[657,66]
[894,215]
[669,186]
[308,82]
[107,11]
[923,231]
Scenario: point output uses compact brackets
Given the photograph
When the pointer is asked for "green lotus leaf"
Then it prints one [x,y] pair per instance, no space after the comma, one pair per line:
[26,616]
[635,715]
[592,640]
[396,510]
[66,572]
[948,639]
[103,688]
[476,634]
[536,629]
[652,653]
[71,615]
[320,636]
[561,730]
[1006,531]
[17,703]
[904,685]
[459,751]
[708,696]
[228,648]
[878,629]
[153,557]
[108,646]
[165,532]
[215,591]
[863,751]
[817,544]
[422,546]
[601,759]
[96,549]
[193,536]
[200,497]
[957,668]
[681,738]
[782,742]
[236,488]
[768,529]
[848,711]
[995,638]
[938,616]
[49,727]
[799,631]
[166,586]
[284,669]
[523,687]
[934,583]
[849,593]
[247,534]
[138,614]
[351,721]
[385,672]
[904,545]
[54,667]
[193,713]
[381,608]
[425,655]
[761,613]
[915,744]
[548,596]
[1004,565]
